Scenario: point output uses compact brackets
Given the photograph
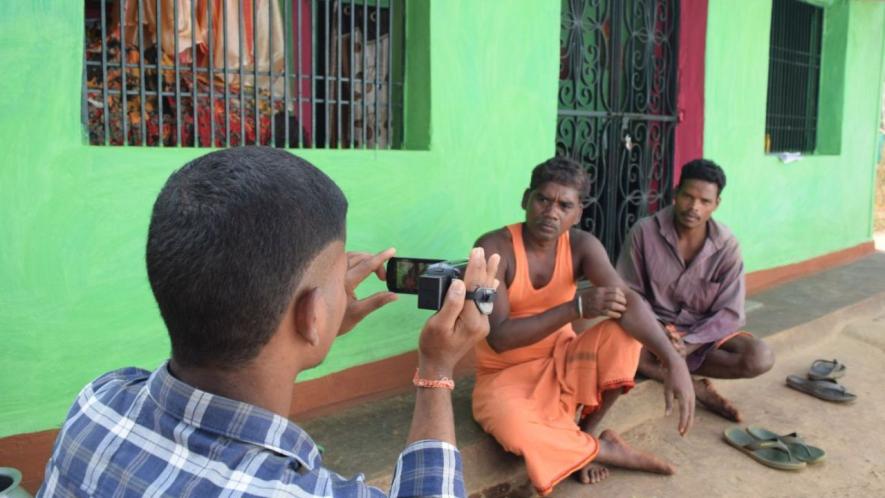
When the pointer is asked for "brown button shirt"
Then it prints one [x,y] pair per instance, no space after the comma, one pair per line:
[704,299]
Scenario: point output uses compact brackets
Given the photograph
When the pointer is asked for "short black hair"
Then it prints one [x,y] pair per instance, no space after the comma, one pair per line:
[230,236]
[704,170]
[562,170]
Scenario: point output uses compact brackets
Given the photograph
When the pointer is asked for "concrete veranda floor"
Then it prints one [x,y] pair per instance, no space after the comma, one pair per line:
[840,314]
[850,434]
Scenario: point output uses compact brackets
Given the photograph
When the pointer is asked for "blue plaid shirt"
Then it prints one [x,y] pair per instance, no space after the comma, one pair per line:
[136,433]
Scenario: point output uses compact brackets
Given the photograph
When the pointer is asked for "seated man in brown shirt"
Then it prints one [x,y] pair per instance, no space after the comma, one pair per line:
[689,269]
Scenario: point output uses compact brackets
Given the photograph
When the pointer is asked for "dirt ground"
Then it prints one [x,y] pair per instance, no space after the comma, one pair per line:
[851,435]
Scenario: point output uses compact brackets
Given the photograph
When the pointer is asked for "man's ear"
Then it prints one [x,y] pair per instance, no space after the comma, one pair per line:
[525,198]
[307,316]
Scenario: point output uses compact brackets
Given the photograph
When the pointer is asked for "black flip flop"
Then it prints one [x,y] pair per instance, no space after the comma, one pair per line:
[826,370]
[828,390]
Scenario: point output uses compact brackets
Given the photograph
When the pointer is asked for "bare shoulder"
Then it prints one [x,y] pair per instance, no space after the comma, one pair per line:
[495,239]
[587,252]
[498,242]
[583,243]
[588,255]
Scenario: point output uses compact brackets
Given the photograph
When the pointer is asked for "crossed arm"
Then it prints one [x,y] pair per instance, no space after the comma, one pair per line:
[639,321]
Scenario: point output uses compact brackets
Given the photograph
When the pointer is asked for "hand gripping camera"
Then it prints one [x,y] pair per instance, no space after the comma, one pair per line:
[430,280]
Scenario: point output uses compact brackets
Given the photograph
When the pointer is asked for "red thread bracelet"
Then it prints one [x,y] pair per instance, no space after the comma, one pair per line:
[444,383]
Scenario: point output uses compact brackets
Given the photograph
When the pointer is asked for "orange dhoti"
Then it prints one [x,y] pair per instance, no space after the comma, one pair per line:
[529,405]
[527,398]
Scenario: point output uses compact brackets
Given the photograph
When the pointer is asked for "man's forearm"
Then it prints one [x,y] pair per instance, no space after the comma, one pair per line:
[433,418]
[639,321]
[518,332]
[431,464]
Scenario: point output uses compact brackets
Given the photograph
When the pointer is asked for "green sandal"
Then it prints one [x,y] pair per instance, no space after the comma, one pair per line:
[774,454]
[826,370]
[801,450]
[827,389]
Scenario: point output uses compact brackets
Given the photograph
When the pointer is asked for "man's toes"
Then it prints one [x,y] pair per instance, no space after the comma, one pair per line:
[584,475]
[736,415]
[592,474]
[729,411]
[598,474]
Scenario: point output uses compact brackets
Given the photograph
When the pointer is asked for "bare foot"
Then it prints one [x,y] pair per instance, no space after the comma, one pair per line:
[592,473]
[614,451]
[713,401]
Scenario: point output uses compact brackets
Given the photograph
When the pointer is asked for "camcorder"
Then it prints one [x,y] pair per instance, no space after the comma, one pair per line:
[430,280]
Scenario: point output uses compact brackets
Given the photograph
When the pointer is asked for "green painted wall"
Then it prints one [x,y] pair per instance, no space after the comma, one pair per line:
[785,213]
[74,296]
[832,78]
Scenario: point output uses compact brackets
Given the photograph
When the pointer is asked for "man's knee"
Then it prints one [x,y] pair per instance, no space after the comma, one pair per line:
[756,360]
[506,419]
[514,434]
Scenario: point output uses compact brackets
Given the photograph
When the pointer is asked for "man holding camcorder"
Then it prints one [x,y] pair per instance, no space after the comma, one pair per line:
[245,256]
[541,389]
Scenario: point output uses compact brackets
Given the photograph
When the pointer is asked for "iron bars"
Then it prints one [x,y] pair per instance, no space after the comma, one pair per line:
[793,77]
[617,108]
[221,73]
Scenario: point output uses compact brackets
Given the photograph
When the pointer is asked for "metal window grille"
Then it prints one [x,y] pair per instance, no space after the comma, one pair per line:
[793,77]
[222,73]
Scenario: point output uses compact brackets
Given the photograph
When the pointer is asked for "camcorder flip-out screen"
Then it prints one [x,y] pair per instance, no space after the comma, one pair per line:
[403,273]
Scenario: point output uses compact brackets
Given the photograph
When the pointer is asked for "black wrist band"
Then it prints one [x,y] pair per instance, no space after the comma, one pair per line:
[484,298]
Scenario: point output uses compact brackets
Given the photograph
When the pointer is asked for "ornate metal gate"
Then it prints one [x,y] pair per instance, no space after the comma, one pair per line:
[617,107]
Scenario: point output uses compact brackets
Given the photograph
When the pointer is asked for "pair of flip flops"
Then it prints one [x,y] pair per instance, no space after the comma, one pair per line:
[783,452]
[820,382]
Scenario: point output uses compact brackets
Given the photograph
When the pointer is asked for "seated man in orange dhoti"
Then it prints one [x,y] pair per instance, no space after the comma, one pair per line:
[534,373]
